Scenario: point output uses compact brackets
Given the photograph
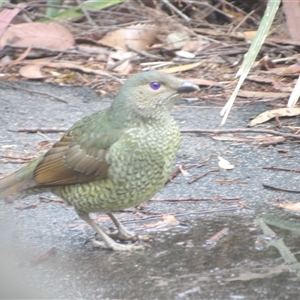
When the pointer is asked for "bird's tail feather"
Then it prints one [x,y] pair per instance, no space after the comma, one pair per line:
[9,186]
[18,182]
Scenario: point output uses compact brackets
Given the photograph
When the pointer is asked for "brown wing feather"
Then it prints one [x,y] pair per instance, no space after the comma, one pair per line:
[69,163]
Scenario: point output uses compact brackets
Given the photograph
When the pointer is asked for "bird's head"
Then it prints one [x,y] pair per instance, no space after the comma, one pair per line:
[152,94]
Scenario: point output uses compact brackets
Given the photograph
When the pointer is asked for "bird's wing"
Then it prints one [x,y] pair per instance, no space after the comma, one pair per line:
[79,156]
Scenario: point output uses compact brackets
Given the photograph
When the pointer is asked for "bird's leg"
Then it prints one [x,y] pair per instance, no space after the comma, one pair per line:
[108,243]
[123,233]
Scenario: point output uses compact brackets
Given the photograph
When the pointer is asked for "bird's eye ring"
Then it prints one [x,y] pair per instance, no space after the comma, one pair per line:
[155,85]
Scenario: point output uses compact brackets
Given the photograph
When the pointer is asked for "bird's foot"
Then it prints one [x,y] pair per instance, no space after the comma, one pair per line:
[108,242]
[128,236]
[124,234]
[116,247]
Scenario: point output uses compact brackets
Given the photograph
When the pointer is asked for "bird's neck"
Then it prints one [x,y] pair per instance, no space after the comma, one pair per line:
[124,116]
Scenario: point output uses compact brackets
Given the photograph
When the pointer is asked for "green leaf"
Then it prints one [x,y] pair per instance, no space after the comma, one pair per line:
[76,12]
[251,55]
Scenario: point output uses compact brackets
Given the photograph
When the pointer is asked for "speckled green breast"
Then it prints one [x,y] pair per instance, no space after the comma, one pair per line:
[140,163]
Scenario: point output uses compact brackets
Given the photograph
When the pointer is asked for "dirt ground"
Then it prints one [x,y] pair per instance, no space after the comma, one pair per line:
[178,263]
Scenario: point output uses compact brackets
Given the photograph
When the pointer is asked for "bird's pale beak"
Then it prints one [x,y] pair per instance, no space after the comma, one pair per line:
[187,87]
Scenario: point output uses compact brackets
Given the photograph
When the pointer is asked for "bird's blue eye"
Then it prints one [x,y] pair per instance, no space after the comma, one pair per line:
[155,85]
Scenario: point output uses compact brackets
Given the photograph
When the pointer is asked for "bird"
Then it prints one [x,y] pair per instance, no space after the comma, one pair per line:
[113,159]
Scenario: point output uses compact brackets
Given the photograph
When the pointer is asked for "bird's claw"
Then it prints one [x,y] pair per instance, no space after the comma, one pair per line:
[127,236]
[116,246]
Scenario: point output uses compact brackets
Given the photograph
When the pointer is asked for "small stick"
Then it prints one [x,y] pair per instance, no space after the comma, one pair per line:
[29,206]
[196,199]
[47,200]
[86,13]
[31,91]
[215,238]
[202,175]
[240,130]
[44,256]
[176,10]
[282,169]
[35,130]
[267,186]
[177,171]
[160,215]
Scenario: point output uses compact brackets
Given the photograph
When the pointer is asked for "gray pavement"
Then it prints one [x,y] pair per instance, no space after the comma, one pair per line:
[177,264]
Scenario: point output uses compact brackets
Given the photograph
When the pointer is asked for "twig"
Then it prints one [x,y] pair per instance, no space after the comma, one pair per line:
[267,186]
[192,212]
[197,199]
[44,256]
[77,50]
[73,66]
[240,130]
[29,206]
[176,10]
[86,13]
[18,59]
[202,175]
[120,62]
[31,91]
[243,20]
[281,169]
[211,8]
[35,130]
[177,171]
[213,240]
[48,199]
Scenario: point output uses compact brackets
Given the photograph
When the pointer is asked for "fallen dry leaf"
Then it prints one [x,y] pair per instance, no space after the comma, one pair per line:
[7,15]
[262,95]
[185,54]
[288,206]
[44,256]
[292,11]
[139,37]
[169,218]
[249,35]
[183,171]
[294,68]
[277,84]
[167,221]
[205,82]
[195,45]
[124,68]
[31,72]
[286,70]
[177,39]
[260,140]
[181,68]
[270,114]
[123,57]
[66,65]
[224,164]
[38,35]
[271,140]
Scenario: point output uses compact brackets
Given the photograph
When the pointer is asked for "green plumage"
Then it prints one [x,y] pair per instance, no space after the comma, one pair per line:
[113,159]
